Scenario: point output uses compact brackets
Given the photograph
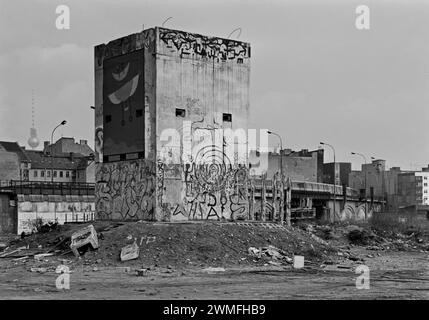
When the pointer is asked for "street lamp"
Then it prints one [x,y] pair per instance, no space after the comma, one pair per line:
[281,151]
[364,158]
[52,149]
[381,176]
[335,176]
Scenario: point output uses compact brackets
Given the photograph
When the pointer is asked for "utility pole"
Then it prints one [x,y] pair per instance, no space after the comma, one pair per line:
[52,149]
[335,177]
[282,179]
[281,150]
[366,205]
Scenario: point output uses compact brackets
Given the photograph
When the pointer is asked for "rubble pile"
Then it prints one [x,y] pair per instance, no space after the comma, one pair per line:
[148,245]
[369,237]
[271,254]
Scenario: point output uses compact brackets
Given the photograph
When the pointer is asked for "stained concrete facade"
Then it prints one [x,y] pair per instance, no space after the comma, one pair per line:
[338,173]
[303,165]
[9,166]
[413,188]
[182,163]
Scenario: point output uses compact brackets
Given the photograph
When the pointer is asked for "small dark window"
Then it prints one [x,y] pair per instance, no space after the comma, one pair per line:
[139,113]
[227,117]
[61,174]
[108,118]
[180,113]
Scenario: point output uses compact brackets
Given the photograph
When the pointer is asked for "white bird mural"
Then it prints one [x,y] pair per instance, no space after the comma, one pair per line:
[124,92]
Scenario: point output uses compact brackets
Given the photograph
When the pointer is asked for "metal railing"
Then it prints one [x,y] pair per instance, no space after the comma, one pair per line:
[314,187]
[48,188]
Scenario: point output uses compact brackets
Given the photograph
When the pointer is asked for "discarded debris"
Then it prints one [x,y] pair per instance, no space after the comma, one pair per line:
[130,252]
[344,267]
[39,270]
[42,255]
[84,237]
[213,269]
[270,252]
[141,272]
[21,259]
[254,252]
[14,251]
[298,262]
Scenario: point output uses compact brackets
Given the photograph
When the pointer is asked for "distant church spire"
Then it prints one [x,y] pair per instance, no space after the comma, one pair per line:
[33,141]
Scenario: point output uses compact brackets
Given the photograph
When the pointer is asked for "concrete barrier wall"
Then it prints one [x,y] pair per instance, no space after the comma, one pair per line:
[351,211]
[67,209]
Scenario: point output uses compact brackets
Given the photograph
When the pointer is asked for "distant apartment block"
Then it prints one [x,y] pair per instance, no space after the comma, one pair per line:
[337,173]
[413,188]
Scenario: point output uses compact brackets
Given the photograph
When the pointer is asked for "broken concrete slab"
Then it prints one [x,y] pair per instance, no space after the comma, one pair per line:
[298,262]
[130,252]
[85,236]
[214,269]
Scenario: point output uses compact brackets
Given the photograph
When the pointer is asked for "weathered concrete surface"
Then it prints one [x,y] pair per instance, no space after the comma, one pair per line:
[85,236]
[205,76]
[9,166]
[130,252]
[53,208]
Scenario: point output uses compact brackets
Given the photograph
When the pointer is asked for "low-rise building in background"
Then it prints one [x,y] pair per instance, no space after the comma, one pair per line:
[68,162]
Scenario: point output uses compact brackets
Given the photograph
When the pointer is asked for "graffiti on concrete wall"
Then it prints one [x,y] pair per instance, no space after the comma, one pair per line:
[160,182]
[125,190]
[188,44]
[212,186]
[223,198]
[353,212]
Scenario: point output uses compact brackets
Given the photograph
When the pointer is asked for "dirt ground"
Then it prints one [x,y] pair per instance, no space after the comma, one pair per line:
[393,275]
[402,273]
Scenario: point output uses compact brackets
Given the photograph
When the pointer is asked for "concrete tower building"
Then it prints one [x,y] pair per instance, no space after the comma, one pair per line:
[166,102]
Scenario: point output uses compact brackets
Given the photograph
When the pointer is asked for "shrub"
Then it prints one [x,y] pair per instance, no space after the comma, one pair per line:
[406,223]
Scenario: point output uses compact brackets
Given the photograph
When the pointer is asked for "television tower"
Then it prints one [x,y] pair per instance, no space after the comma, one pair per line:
[33,141]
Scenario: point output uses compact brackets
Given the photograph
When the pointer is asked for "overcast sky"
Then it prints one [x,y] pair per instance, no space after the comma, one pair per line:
[314,76]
